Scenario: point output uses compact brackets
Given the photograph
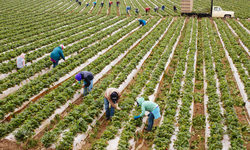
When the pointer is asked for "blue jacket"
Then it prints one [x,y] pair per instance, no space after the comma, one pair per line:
[57,53]
[87,77]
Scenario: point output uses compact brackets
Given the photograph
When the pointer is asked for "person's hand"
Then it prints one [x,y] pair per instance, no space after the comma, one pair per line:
[118,108]
[136,117]
[83,86]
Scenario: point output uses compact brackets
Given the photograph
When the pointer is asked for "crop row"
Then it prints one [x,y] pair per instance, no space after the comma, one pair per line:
[184,118]
[237,53]
[37,29]
[20,77]
[127,103]
[20,135]
[88,100]
[165,132]
[31,88]
[230,115]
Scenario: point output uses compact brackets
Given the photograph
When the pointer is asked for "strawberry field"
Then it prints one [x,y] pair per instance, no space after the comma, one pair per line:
[196,70]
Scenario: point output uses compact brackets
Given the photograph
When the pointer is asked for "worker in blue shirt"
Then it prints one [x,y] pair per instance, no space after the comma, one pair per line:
[142,22]
[127,9]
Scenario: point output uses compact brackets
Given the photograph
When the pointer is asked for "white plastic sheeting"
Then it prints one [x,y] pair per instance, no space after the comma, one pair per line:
[241,43]
[16,87]
[79,68]
[207,128]
[240,84]
[226,140]
[13,89]
[81,142]
[168,63]
[243,26]
[174,136]
[6,61]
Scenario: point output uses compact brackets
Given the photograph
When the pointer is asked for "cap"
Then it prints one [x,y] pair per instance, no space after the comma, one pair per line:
[114,96]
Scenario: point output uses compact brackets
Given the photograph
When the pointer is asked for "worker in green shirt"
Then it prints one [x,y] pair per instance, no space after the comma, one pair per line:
[152,107]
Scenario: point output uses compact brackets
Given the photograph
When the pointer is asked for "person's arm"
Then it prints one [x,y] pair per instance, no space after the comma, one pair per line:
[61,54]
[111,102]
[142,111]
[23,62]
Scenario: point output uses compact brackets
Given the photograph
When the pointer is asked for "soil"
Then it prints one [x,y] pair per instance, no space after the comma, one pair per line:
[100,11]
[101,129]
[118,12]
[9,145]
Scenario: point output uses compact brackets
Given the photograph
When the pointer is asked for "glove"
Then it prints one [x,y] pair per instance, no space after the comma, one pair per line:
[136,117]
[117,107]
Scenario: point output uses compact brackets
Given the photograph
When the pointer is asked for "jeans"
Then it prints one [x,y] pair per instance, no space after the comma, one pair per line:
[109,112]
[55,64]
[88,89]
[150,121]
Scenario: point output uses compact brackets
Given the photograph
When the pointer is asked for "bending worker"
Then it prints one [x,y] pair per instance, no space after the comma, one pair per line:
[56,54]
[117,3]
[142,22]
[137,10]
[152,107]
[94,3]
[112,96]
[87,78]
[102,4]
[147,9]
[156,9]
[20,61]
[163,7]
[127,9]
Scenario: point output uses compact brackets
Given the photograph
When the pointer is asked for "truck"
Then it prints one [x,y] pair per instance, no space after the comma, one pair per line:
[215,11]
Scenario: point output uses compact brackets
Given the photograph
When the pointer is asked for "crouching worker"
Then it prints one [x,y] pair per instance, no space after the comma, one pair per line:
[142,22]
[152,107]
[20,61]
[112,96]
[87,78]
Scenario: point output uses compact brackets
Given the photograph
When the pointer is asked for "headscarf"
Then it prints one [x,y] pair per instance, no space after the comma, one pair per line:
[62,46]
[78,77]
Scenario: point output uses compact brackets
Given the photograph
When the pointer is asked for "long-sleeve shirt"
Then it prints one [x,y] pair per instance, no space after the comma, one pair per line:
[87,77]
[107,94]
[57,53]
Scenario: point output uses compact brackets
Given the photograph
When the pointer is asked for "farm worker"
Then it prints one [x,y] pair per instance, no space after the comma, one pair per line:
[87,4]
[147,9]
[162,7]
[76,0]
[56,54]
[102,4]
[175,9]
[20,61]
[137,10]
[87,78]
[80,3]
[94,3]
[110,3]
[156,9]
[117,3]
[142,22]
[152,107]
[128,8]
[112,96]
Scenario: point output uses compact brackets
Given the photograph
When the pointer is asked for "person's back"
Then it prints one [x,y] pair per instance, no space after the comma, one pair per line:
[20,62]
[57,53]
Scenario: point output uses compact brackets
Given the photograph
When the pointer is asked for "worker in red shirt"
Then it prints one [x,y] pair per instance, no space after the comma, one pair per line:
[110,2]
[147,9]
